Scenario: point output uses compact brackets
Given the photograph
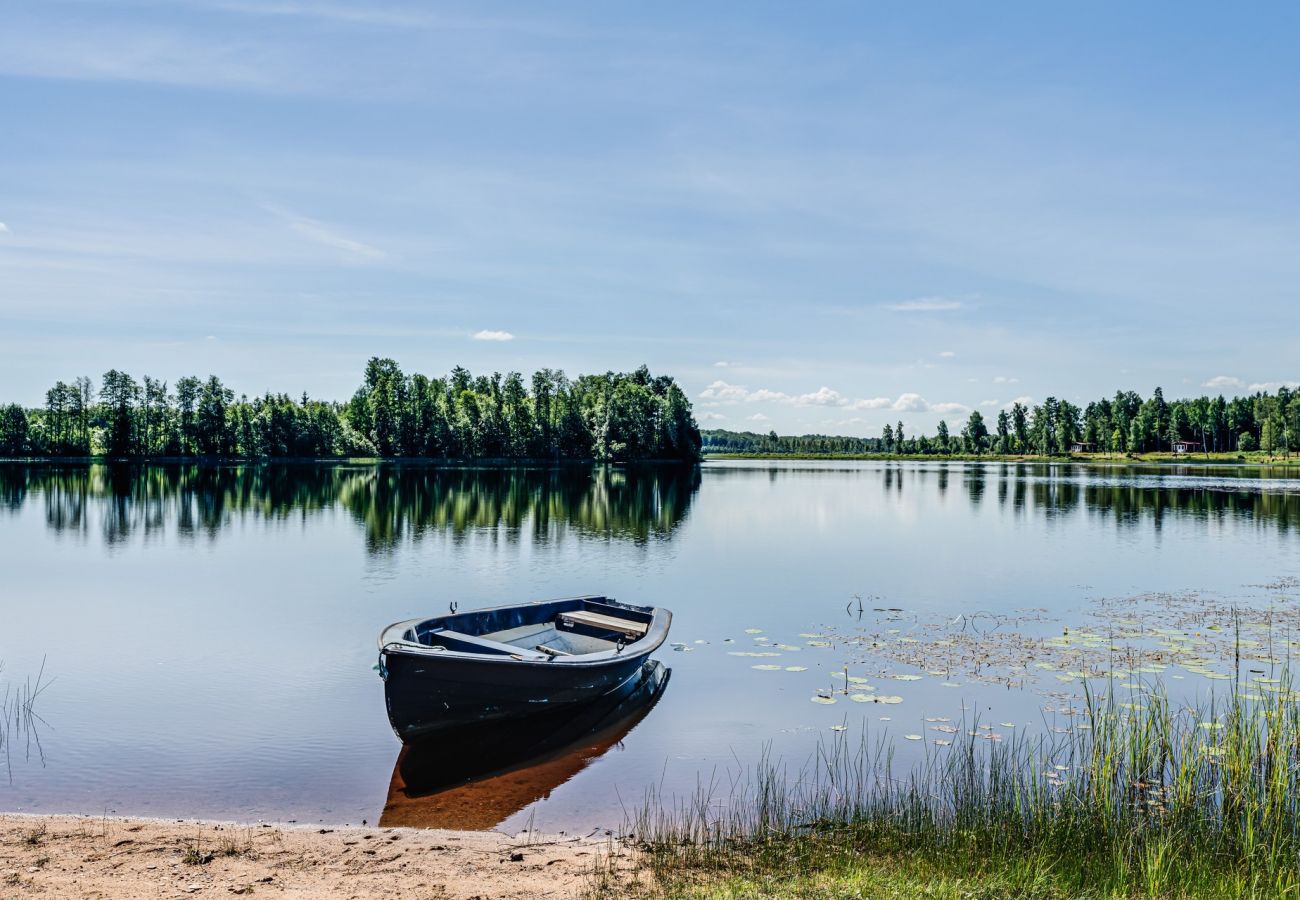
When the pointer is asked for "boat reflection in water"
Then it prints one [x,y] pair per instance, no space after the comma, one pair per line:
[478,777]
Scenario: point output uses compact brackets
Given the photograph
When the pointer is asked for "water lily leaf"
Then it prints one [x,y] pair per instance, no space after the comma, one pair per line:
[912,737]
[753,631]
[825,701]
[839,728]
[766,667]
[906,677]
[862,698]
[796,668]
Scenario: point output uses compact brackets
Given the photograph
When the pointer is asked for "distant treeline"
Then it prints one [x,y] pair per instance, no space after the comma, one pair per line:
[719,440]
[611,417]
[1125,424]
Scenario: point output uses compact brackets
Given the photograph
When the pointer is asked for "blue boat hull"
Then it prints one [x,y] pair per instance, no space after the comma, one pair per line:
[429,693]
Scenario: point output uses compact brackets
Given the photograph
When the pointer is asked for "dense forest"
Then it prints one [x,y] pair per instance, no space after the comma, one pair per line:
[612,417]
[1125,424]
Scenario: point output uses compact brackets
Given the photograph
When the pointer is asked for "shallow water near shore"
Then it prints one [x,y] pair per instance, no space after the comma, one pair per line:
[208,634]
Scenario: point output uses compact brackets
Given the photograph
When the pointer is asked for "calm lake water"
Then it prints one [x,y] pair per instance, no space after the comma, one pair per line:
[208,634]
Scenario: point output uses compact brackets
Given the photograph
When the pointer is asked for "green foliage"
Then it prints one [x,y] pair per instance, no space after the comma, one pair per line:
[613,417]
[722,441]
[1156,800]
[13,430]
[1124,424]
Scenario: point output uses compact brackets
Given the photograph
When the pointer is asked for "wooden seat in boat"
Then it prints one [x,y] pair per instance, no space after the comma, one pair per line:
[610,623]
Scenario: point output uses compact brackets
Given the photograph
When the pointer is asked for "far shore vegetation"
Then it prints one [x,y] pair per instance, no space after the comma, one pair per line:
[1261,427]
[1146,798]
[614,417]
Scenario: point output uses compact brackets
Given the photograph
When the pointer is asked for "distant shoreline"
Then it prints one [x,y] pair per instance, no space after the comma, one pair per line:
[486,462]
[1257,460]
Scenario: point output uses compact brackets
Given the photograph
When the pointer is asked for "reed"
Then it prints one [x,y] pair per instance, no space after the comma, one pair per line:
[19,719]
[1139,799]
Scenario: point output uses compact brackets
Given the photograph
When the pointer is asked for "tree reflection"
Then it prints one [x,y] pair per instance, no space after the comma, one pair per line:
[393,503]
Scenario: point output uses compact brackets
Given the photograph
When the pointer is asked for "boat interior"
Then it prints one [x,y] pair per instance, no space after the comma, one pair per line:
[552,630]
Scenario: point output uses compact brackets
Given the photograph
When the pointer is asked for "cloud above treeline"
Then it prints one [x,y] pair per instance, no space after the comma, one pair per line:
[721,393]
[489,335]
[926,304]
[1226,382]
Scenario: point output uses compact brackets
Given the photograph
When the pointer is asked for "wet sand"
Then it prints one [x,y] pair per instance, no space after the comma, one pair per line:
[87,857]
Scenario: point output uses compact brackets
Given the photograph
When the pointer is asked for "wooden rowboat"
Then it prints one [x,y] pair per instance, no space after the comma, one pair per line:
[511,662]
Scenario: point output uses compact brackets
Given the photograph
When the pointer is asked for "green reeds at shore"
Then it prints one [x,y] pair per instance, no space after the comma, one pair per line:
[1138,799]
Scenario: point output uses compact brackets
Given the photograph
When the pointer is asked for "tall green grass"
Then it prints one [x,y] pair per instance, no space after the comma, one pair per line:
[1138,799]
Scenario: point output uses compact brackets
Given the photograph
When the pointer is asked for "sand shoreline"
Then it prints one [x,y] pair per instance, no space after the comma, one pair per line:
[105,856]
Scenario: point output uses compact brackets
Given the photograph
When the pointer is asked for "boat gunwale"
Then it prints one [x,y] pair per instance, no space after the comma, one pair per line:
[656,633]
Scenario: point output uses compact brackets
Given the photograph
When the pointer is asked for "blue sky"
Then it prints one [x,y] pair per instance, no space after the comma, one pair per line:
[817,216]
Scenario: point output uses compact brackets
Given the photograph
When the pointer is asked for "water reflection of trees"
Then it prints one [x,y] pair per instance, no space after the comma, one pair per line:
[1127,495]
[1131,498]
[392,502]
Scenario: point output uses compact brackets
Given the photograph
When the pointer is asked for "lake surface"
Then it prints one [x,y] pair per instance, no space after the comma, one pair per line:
[208,634]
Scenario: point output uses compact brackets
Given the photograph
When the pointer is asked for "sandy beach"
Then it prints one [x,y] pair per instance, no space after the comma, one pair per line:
[90,857]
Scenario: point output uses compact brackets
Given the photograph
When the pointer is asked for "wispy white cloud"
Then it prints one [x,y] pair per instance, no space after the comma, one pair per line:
[723,364]
[1271,386]
[988,403]
[710,417]
[1023,401]
[320,233]
[946,354]
[4,229]
[1223,381]
[489,335]
[758,417]
[722,393]
[926,304]
[1004,379]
